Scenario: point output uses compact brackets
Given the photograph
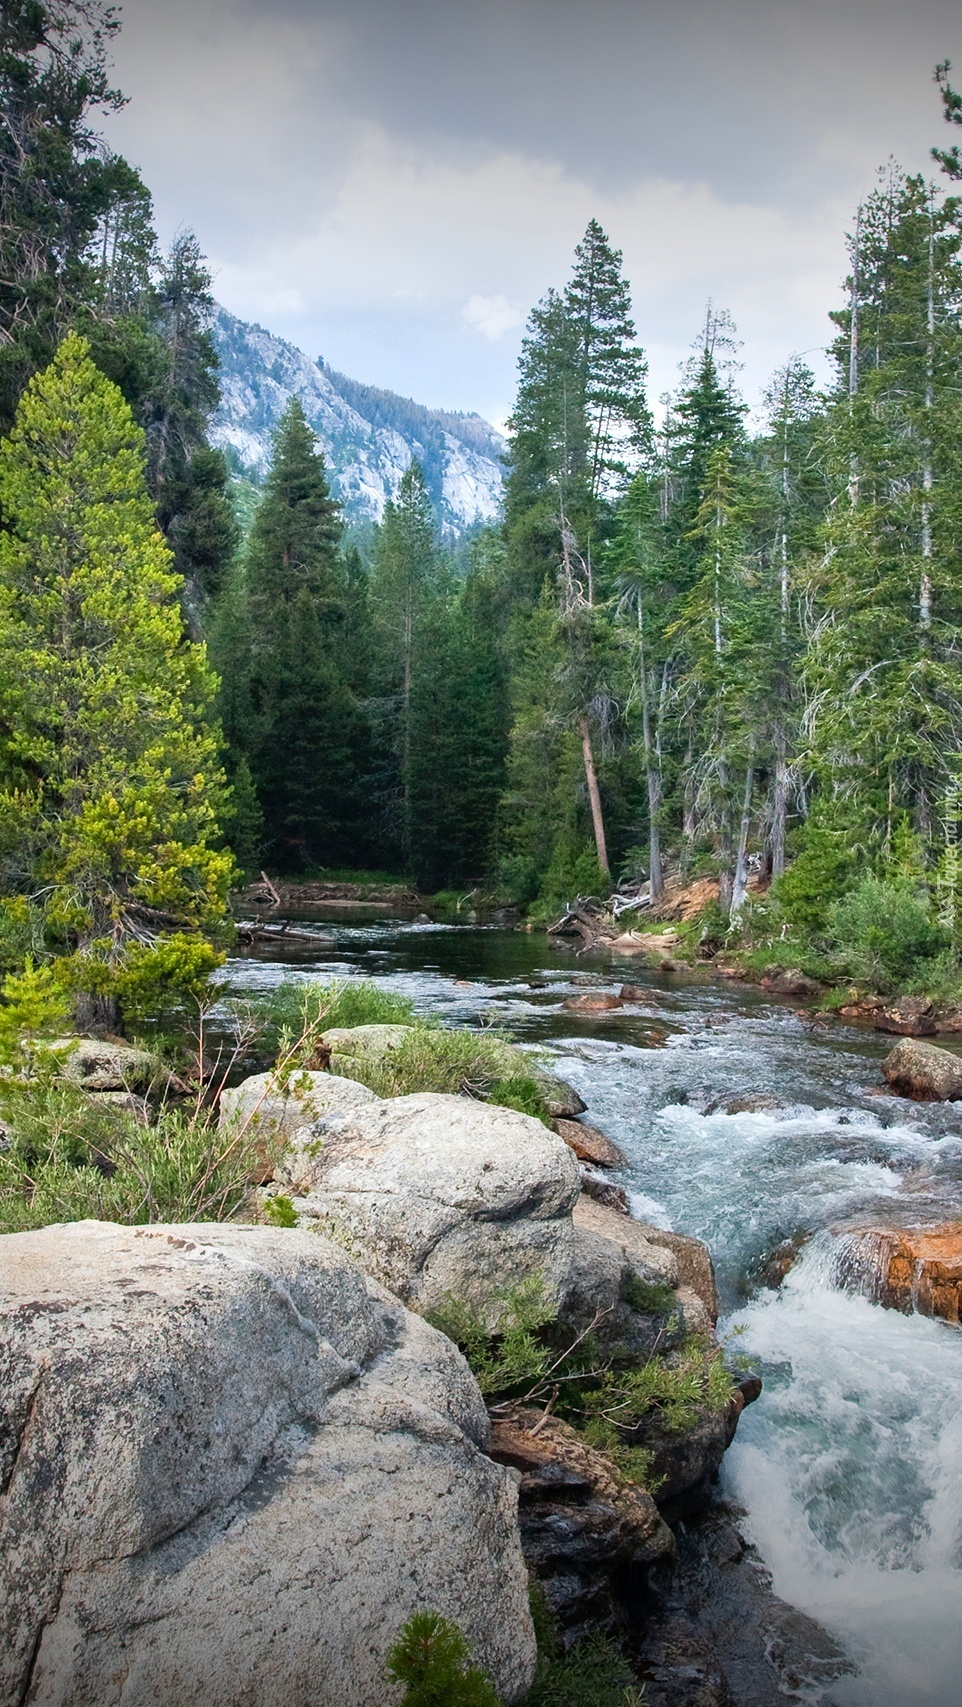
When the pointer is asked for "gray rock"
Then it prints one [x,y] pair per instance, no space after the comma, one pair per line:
[651,1262]
[233,1467]
[98,1064]
[279,1110]
[440,1196]
[923,1070]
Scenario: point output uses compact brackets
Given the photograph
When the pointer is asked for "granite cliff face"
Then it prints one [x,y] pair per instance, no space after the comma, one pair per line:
[368,436]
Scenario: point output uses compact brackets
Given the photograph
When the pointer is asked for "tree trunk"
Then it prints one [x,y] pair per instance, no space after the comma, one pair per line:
[653,773]
[95,1015]
[740,887]
[780,806]
[597,817]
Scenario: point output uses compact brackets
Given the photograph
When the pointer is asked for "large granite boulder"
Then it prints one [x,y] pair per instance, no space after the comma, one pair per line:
[439,1196]
[279,1106]
[232,1467]
[924,1071]
[357,1047]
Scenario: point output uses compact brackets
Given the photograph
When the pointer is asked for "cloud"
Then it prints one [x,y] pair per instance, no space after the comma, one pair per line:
[492,315]
[398,185]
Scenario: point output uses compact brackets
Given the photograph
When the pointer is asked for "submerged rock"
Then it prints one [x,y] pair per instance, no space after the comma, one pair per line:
[909,1268]
[599,1004]
[233,1468]
[790,981]
[924,1071]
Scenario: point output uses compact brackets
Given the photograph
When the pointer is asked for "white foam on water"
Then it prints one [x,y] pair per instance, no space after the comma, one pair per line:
[850,1470]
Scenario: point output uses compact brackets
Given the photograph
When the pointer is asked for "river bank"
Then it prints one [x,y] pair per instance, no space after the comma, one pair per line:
[814,1147]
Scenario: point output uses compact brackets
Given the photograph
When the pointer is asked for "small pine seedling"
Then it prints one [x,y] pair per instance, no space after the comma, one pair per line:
[431,1658]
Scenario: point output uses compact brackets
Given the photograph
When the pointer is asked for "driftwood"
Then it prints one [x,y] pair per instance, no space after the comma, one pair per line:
[250,931]
[263,890]
[580,918]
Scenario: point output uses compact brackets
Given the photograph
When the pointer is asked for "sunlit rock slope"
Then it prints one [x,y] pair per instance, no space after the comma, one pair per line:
[368,436]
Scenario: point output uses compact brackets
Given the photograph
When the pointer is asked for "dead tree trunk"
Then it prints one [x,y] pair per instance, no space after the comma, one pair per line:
[597,817]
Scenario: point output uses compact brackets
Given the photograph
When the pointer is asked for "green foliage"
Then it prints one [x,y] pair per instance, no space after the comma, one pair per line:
[511,1356]
[886,933]
[433,1058]
[280,1211]
[827,862]
[649,1298]
[109,780]
[32,1004]
[519,1093]
[293,1007]
[69,1158]
[673,1391]
[431,1659]
[594,1673]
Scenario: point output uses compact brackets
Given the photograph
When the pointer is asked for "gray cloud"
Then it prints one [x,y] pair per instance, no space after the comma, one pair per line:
[371,176]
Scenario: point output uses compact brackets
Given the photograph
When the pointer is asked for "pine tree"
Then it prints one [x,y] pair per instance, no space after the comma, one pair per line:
[403,584]
[109,771]
[56,178]
[304,727]
[187,477]
[885,708]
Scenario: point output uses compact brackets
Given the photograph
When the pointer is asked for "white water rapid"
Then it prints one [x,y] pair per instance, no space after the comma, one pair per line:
[849,1467]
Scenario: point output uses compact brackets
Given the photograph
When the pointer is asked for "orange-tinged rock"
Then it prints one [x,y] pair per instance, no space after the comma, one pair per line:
[912,1268]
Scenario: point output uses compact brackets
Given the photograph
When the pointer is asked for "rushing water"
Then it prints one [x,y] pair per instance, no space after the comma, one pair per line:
[849,1468]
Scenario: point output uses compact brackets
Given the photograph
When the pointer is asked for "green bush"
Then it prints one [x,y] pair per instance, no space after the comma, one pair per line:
[521,1094]
[431,1659]
[280,1211]
[511,1357]
[887,934]
[594,1673]
[454,1062]
[70,1157]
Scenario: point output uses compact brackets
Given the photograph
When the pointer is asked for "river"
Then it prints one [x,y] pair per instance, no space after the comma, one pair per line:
[849,1467]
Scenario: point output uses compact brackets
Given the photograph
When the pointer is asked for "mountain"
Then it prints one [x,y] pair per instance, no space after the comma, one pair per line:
[368,436]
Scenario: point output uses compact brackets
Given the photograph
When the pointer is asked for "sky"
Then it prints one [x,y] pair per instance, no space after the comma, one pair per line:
[392,184]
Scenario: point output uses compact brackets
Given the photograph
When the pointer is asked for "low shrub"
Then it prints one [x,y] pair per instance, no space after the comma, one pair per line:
[506,1362]
[886,933]
[594,1673]
[521,1094]
[69,1158]
[453,1063]
[294,1008]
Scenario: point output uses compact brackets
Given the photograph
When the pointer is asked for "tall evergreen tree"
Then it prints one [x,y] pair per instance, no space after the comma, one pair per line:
[304,723]
[403,587]
[187,477]
[56,180]
[108,769]
[885,707]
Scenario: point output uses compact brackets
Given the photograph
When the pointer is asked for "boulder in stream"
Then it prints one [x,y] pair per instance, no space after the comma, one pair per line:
[588,1144]
[233,1467]
[909,1268]
[440,1196]
[923,1071]
[910,1016]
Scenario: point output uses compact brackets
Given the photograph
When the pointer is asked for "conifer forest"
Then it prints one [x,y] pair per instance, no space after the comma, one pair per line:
[699,641]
